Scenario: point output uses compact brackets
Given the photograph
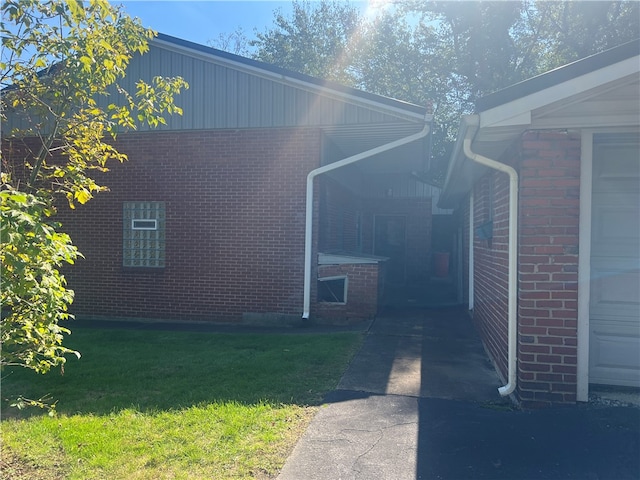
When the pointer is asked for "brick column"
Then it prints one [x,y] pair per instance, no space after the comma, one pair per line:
[548,268]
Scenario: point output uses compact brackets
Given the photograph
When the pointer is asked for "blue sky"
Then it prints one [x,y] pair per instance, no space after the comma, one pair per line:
[202,21]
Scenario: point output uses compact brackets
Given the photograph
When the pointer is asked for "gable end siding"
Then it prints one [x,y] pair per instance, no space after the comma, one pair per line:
[220,97]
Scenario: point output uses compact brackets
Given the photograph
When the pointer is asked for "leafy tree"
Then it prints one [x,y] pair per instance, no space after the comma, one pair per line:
[562,32]
[235,42]
[314,40]
[490,45]
[388,61]
[34,292]
[475,52]
[61,101]
[444,53]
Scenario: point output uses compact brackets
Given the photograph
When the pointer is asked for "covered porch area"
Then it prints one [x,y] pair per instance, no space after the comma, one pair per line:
[369,203]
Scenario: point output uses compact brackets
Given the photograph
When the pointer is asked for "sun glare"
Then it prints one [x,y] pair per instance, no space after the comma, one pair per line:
[376,7]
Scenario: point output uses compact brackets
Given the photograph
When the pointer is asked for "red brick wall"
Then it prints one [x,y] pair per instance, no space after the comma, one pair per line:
[463,218]
[362,295]
[491,268]
[235,206]
[338,231]
[339,210]
[338,217]
[549,184]
[548,267]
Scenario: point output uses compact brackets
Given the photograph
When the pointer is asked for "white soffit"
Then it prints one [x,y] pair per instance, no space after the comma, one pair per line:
[519,112]
[615,104]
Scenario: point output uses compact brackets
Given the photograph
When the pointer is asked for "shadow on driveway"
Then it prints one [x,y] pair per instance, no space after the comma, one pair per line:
[420,401]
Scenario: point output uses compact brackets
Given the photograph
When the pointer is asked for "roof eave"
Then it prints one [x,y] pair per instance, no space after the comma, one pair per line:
[492,130]
[558,75]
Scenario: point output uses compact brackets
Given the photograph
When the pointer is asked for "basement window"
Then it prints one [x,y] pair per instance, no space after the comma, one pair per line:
[143,234]
[332,290]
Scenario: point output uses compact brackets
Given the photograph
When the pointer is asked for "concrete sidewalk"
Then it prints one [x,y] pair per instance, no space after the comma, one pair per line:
[420,401]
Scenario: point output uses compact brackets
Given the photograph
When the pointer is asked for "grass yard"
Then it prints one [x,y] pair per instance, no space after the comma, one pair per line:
[159,404]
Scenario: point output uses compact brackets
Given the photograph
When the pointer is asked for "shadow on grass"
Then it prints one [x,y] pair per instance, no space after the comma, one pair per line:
[152,371]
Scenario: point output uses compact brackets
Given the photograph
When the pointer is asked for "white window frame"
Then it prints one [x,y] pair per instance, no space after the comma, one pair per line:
[346,288]
[135,227]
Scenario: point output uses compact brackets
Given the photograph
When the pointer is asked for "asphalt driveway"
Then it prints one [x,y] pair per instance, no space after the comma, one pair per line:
[420,401]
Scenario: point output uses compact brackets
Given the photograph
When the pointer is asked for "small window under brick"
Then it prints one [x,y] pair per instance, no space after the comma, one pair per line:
[143,234]
[332,290]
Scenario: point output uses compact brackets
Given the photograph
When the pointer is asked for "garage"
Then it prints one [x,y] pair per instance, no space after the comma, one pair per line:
[614,310]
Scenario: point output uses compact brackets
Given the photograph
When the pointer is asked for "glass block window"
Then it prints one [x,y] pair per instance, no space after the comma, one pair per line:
[143,234]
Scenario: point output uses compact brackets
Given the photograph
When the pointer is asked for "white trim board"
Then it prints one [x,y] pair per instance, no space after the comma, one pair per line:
[584,266]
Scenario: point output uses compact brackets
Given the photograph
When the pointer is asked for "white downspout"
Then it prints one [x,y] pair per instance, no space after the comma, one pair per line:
[309,208]
[471,259]
[513,265]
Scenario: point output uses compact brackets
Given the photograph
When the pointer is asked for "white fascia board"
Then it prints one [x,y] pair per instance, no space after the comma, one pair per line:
[518,111]
[488,119]
[295,82]
[586,121]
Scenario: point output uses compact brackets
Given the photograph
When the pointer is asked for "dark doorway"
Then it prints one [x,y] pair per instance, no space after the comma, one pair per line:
[390,241]
[443,244]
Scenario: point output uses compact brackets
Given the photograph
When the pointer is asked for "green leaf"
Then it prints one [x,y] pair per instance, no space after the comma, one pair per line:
[91,43]
[83,196]
[75,8]
[86,62]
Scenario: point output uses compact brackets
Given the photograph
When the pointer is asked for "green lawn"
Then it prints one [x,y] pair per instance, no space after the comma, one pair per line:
[151,405]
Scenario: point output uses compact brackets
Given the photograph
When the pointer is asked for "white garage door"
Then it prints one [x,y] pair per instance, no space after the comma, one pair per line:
[614,347]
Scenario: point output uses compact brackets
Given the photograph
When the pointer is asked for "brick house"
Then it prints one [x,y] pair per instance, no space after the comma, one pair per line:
[545,180]
[275,196]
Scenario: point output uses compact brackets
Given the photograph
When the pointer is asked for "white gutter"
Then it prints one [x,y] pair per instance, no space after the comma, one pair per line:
[309,210]
[513,251]
[471,259]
